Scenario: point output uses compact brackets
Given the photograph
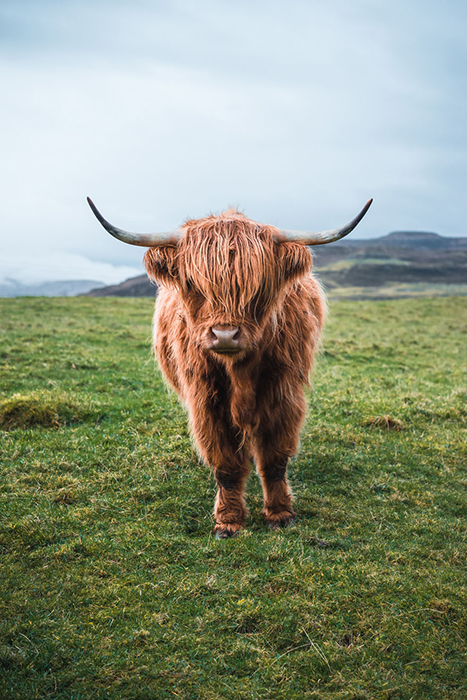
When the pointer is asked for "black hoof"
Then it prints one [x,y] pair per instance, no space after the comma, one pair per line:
[280,524]
[226,534]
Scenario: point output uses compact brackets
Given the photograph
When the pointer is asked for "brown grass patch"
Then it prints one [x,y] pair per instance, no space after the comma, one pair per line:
[384,421]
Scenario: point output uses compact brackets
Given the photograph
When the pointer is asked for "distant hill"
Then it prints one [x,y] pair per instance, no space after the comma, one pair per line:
[65,288]
[402,263]
[134,287]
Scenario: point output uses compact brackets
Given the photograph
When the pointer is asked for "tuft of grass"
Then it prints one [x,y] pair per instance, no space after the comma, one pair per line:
[384,422]
[41,408]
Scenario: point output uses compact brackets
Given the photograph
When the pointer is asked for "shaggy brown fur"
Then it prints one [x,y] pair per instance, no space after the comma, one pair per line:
[229,272]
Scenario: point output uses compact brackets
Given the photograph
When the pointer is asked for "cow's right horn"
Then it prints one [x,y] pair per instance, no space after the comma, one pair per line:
[321,237]
[143,239]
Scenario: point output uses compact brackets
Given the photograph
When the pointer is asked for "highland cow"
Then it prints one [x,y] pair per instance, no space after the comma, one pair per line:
[237,322]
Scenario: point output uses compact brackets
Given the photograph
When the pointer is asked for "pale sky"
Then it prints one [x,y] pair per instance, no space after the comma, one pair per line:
[296,112]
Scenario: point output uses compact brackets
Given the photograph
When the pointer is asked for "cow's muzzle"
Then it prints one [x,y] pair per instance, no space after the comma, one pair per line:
[225,340]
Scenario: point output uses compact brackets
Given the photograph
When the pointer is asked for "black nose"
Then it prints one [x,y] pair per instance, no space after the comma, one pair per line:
[226,339]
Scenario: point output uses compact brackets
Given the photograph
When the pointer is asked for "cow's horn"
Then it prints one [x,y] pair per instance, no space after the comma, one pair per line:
[321,237]
[143,239]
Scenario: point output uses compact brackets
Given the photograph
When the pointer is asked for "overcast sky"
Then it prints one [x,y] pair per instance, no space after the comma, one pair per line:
[294,111]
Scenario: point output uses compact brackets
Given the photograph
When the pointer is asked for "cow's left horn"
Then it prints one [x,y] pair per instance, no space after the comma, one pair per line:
[143,239]
[321,237]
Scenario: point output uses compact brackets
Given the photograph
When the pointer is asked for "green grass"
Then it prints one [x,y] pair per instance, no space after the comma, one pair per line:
[111,583]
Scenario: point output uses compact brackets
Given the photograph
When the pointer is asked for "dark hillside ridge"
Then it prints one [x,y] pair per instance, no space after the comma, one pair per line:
[400,257]
[135,287]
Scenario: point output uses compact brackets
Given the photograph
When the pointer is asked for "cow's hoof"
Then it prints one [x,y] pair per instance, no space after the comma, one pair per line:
[280,525]
[280,520]
[223,532]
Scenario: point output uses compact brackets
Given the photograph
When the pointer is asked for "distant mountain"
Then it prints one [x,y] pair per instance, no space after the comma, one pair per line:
[135,287]
[65,288]
[402,263]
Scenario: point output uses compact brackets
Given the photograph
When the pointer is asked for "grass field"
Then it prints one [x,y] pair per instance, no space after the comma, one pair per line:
[111,583]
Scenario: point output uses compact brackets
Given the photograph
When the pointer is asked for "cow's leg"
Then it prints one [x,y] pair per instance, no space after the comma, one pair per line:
[275,442]
[229,509]
[227,452]
[277,497]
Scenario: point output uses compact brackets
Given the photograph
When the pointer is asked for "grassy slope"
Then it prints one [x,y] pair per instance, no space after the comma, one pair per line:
[112,586]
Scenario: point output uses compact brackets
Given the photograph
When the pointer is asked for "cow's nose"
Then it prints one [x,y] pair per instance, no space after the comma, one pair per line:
[226,339]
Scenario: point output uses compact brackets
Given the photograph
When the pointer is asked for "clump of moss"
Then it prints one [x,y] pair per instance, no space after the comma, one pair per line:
[41,408]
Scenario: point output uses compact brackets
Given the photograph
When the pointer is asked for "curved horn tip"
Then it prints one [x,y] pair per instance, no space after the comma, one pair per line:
[91,204]
[366,207]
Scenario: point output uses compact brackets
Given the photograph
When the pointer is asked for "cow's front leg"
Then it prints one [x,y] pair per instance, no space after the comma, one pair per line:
[225,449]
[277,508]
[229,509]
[275,442]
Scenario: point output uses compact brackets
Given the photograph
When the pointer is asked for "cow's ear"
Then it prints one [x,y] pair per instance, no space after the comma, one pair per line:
[161,263]
[294,260]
